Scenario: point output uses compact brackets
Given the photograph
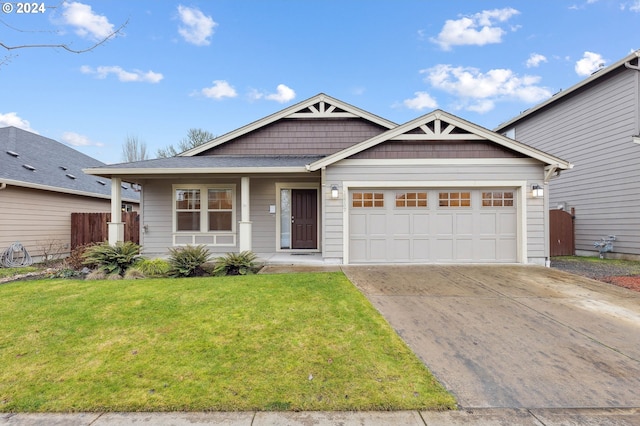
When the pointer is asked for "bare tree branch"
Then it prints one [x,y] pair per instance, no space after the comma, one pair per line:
[65,46]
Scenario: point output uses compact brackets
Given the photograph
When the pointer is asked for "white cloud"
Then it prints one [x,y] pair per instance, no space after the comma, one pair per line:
[590,63]
[420,101]
[75,139]
[284,94]
[220,89]
[479,91]
[12,119]
[535,59]
[123,75]
[87,23]
[635,6]
[478,29]
[197,28]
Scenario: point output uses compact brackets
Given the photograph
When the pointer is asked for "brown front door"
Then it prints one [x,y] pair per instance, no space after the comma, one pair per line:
[304,219]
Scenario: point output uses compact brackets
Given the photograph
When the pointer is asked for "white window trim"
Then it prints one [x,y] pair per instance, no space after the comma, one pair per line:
[204,215]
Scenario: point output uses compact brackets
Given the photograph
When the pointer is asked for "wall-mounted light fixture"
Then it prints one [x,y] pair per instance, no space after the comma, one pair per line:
[334,192]
[537,191]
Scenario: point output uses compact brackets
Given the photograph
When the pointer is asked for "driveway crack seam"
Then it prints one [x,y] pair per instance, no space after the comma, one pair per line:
[515,300]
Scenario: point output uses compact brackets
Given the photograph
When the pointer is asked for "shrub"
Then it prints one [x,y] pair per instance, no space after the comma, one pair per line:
[187,261]
[242,263]
[75,260]
[134,274]
[112,259]
[153,267]
[96,275]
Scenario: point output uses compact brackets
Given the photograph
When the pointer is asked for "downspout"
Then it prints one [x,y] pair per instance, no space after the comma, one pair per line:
[635,137]
[2,186]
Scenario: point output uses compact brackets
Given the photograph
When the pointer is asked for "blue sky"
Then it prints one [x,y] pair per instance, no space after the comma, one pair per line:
[218,65]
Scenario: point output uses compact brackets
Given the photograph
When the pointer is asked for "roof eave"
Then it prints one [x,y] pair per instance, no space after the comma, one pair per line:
[31,185]
[107,172]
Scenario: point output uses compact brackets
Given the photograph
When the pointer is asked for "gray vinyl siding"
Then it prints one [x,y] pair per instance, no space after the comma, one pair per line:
[593,130]
[158,212]
[337,174]
[37,218]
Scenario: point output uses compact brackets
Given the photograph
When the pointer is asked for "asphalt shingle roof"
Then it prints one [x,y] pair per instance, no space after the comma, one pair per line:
[36,160]
[217,161]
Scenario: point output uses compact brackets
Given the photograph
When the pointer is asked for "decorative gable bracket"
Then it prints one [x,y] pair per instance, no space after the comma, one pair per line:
[437,129]
[322,109]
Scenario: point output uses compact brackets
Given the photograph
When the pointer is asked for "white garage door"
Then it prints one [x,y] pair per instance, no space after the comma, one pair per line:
[432,225]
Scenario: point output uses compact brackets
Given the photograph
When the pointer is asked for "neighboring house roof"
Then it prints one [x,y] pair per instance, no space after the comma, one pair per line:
[208,164]
[33,161]
[440,125]
[319,106]
[630,61]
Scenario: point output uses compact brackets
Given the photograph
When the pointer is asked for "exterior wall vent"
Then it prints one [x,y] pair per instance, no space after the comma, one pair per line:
[13,154]
[70,176]
[29,167]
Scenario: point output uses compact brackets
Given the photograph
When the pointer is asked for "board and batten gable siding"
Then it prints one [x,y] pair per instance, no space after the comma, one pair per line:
[300,137]
[39,219]
[520,171]
[158,211]
[593,130]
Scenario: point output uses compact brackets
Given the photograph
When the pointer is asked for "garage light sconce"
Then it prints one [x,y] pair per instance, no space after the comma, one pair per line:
[334,192]
[537,191]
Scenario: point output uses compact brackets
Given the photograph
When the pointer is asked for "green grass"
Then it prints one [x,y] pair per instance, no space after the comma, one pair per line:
[10,272]
[261,342]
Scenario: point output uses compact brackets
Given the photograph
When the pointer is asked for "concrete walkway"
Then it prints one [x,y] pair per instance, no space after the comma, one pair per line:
[486,416]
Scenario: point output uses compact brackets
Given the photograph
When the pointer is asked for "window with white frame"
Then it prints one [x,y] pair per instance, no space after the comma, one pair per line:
[204,208]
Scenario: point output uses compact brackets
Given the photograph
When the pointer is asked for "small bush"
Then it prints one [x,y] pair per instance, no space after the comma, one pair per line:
[187,261]
[134,274]
[114,259]
[153,267]
[96,275]
[242,263]
[75,260]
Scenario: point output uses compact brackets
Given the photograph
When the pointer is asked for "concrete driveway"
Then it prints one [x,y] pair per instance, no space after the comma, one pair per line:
[514,336]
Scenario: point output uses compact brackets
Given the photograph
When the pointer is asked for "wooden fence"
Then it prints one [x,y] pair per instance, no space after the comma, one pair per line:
[562,233]
[92,228]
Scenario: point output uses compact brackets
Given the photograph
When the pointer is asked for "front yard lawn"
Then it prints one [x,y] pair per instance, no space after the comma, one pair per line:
[261,342]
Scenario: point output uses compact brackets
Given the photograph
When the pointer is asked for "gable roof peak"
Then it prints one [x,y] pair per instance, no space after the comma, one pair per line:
[317,107]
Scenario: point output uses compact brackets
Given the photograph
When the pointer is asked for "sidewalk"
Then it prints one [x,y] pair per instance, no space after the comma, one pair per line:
[481,416]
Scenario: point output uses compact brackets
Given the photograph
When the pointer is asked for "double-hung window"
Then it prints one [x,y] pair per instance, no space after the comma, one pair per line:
[204,208]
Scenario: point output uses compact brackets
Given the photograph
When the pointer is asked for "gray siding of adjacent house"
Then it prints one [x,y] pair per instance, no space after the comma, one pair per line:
[593,130]
[530,171]
[157,217]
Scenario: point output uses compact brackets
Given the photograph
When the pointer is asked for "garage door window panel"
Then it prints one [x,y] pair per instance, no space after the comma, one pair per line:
[411,199]
[454,199]
[367,199]
[497,199]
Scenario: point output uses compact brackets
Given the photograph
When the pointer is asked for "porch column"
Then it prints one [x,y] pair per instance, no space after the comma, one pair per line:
[116,227]
[244,227]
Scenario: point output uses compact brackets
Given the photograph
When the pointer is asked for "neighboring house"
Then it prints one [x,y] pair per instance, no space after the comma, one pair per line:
[41,184]
[596,124]
[325,177]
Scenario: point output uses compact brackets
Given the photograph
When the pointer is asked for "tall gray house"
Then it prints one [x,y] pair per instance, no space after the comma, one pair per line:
[596,124]
[326,178]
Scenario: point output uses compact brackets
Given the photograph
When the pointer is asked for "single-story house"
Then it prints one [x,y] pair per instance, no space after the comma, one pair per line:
[595,123]
[41,184]
[325,177]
